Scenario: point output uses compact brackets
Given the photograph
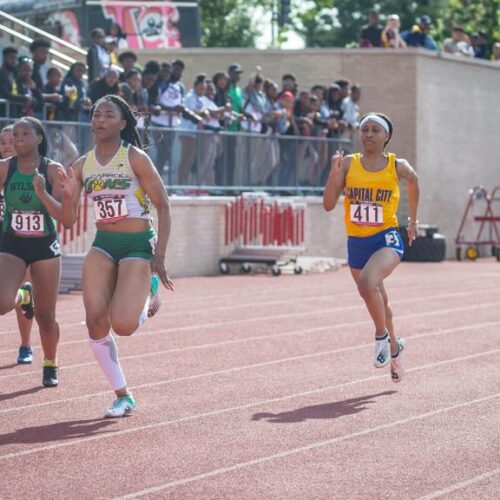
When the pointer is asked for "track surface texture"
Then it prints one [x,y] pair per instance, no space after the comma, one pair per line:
[261,387]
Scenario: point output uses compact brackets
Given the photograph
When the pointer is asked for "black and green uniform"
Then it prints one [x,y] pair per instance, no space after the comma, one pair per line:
[29,231]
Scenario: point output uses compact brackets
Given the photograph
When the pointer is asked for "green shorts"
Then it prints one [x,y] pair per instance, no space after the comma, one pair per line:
[126,246]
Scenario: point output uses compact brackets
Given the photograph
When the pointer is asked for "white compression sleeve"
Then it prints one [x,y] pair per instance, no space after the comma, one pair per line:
[106,355]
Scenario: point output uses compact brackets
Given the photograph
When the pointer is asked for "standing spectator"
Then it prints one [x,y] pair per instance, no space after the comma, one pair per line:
[496,53]
[235,93]
[390,36]
[133,92]
[51,90]
[105,86]
[196,104]
[117,33]
[370,35]
[127,60]
[98,60]
[73,91]
[25,86]
[40,54]
[287,128]
[480,45]
[221,83]
[111,46]
[7,81]
[161,82]
[148,82]
[289,84]
[334,101]
[344,88]
[459,43]
[419,36]
[319,92]
[350,107]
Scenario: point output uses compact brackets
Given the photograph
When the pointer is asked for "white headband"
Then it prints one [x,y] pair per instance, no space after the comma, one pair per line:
[376,119]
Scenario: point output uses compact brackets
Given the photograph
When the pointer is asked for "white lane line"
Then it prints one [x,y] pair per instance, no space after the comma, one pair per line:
[479,326]
[312,312]
[299,332]
[332,296]
[222,411]
[461,485]
[303,449]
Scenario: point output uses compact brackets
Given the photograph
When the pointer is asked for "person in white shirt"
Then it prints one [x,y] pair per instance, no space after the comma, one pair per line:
[459,43]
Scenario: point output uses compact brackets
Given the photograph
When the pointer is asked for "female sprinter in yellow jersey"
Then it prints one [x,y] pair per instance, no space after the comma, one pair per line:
[121,270]
[370,182]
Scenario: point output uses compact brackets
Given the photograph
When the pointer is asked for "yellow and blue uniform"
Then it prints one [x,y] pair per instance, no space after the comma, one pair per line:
[117,195]
[370,203]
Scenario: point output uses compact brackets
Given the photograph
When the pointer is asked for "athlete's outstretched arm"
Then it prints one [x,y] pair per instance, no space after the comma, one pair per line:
[336,180]
[153,186]
[405,171]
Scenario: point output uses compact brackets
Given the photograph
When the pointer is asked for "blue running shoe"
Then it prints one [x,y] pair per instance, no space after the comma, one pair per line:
[25,356]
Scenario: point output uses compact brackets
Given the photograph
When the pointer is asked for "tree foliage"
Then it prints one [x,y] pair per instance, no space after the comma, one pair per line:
[229,23]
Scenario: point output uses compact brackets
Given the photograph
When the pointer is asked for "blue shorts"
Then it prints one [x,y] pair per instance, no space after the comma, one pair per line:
[359,250]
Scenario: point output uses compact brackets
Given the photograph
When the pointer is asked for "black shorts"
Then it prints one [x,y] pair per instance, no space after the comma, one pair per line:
[30,249]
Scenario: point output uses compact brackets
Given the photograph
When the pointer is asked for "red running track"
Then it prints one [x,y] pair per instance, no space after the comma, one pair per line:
[261,387]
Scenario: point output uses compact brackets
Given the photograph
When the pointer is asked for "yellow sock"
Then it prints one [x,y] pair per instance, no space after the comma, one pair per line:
[25,296]
[50,362]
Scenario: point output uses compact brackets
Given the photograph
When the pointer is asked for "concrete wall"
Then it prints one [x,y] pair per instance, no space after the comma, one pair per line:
[197,239]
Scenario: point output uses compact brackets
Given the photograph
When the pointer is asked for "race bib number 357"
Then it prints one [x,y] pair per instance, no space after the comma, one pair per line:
[110,209]
[28,223]
[366,214]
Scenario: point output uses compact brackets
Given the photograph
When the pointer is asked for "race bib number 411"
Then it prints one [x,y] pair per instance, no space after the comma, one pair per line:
[366,214]
[109,209]
[28,223]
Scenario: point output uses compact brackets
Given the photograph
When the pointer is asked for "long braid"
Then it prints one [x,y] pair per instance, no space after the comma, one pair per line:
[129,133]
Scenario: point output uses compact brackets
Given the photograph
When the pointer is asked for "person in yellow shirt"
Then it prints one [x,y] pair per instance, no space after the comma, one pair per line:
[370,183]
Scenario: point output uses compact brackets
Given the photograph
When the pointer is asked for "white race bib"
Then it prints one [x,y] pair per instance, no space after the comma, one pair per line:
[366,214]
[28,223]
[109,209]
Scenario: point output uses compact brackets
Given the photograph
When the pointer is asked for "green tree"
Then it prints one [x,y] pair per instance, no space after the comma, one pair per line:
[337,23]
[474,16]
[229,23]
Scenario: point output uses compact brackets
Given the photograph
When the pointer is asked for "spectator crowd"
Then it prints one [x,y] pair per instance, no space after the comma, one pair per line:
[32,86]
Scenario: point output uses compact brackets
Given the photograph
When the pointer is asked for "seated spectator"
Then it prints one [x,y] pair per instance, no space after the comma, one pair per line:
[98,59]
[128,61]
[370,35]
[133,92]
[73,90]
[117,33]
[479,43]
[25,86]
[104,86]
[52,95]
[112,48]
[419,36]
[459,43]
[40,55]
[350,108]
[390,35]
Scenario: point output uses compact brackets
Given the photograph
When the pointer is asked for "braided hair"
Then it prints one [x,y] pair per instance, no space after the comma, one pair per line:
[39,129]
[129,133]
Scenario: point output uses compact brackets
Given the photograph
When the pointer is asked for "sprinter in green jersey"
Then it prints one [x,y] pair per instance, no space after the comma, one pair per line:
[29,240]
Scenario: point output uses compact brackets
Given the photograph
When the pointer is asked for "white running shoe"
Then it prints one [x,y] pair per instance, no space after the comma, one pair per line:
[121,407]
[397,367]
[382,354]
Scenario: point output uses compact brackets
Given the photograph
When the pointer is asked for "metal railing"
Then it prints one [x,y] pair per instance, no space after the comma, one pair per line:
[216,162]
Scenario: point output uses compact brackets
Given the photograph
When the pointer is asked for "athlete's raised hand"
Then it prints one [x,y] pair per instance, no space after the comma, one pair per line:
[68,181]
[39,183]
[336,162]
[158,267]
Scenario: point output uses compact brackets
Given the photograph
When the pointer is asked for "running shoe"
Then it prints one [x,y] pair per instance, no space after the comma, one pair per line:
[50,376]
[121,407]
[382,354]
[397,367]
[25,356]
[154,296]
[28,309]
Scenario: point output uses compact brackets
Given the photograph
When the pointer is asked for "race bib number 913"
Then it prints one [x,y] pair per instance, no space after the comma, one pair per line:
[366,214]
[110,209]
[28,223]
